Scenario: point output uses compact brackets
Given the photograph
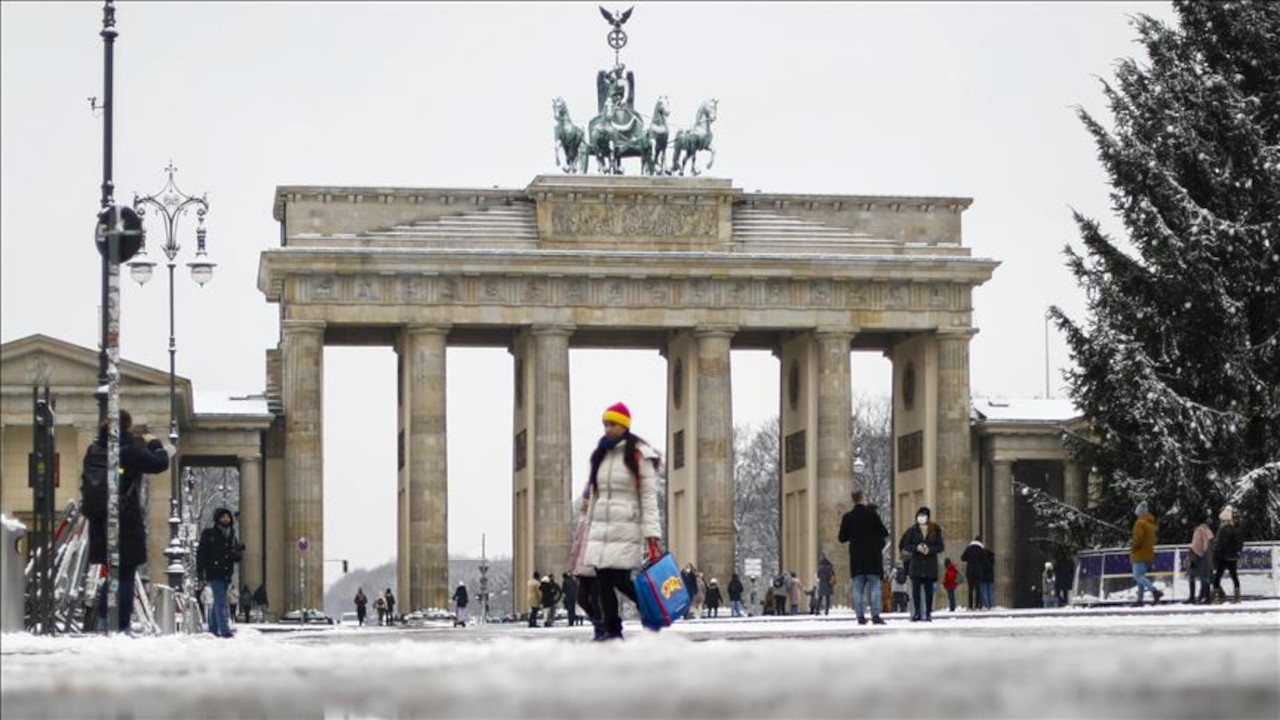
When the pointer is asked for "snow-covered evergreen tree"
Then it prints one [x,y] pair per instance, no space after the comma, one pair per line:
[1177,366]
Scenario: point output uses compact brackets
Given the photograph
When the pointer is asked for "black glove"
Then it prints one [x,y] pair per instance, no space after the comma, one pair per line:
[155,445]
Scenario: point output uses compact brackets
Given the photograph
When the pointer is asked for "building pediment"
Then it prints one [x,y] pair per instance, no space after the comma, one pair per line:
[43,360]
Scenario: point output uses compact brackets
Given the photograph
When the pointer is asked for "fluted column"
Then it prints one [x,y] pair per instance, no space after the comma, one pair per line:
[251,509]
[834,463]
[1075,490]
[551,449]
[954,481]
[428,482]
[304,459]
[1002,521]
[715,453]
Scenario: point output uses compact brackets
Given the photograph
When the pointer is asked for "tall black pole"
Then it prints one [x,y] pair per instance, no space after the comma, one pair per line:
[110,226]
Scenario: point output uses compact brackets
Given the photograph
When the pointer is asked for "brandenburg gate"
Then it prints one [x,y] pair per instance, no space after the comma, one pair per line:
[690,267]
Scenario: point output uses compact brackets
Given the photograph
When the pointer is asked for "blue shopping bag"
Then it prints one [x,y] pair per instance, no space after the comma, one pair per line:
[660,593]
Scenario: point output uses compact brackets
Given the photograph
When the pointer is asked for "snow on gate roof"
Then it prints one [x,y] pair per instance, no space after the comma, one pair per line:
[1025,409]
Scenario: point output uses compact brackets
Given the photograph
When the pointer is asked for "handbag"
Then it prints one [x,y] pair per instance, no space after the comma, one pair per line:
[660,593]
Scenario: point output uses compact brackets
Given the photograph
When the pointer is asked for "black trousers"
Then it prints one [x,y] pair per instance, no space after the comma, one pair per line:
[124,598]
[1223,566]
[587,598]
[923,609]
[609,582]
[975,595]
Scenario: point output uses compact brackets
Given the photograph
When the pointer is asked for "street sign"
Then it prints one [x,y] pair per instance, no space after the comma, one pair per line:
[753,567]
[303,544]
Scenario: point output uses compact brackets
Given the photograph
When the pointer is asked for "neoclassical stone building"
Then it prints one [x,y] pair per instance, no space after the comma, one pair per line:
[691,268]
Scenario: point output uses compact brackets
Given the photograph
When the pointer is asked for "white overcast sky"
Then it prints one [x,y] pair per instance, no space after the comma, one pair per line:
[963,99]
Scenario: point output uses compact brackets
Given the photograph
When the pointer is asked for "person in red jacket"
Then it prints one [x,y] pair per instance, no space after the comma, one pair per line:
[950,581]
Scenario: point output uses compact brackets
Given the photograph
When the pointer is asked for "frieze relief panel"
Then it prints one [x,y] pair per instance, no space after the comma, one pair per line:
[649,220]
[692,292]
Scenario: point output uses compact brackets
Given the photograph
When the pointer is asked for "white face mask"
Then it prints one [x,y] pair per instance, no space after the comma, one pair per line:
[922,519]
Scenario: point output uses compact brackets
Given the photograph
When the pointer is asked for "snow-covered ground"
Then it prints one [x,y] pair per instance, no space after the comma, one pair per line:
[1172,661]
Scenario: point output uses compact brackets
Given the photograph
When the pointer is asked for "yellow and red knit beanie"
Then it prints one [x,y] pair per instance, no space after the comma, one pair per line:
[618,413]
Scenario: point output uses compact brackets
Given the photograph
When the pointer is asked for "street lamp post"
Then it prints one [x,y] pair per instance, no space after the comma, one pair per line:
[171,204]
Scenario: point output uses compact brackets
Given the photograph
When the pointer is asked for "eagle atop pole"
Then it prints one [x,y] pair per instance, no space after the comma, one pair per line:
[617,37]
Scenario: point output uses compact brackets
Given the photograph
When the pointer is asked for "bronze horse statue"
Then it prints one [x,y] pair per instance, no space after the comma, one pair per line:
[569,139]
[691,142]
[617,131]
[658,134]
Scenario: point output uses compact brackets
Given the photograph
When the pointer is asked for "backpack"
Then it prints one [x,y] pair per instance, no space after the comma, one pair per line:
[93,483]
[778,582]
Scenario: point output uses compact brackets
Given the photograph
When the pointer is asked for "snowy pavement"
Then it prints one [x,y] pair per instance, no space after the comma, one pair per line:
[1167,662]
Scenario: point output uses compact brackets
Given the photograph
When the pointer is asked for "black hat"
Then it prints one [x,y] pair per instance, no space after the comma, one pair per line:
[924,511]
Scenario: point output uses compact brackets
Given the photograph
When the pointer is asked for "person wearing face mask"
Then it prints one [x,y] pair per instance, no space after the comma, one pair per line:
[216,559]
[923,543]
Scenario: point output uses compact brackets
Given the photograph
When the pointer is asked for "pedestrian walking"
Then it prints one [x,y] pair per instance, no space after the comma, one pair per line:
[1048,586]
[246,600]
[1200,564]
[989,582]
[866,534]
[950,581]
[391,607]
[714,598]
[569,596]
[460,601]
[534,589]
[735,596]
[380,605]
[138,455]
[974,558]
[826,584]
[624,514]
[216,557]
[1226,553]
[1142,552]
[689,576]
[362,605]
[924,542]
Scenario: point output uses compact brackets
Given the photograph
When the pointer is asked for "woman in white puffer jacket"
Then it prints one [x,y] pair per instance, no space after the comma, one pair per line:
[623,512]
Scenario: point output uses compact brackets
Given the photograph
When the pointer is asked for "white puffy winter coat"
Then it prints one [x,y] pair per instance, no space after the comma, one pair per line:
[621,516]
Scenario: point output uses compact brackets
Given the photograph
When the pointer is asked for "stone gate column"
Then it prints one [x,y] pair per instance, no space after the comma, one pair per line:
[954,483]
[251,514]
[1002,521]
[1075,484]
[304,460]
[834,449]
[551,450]
[428,481]
[715,453]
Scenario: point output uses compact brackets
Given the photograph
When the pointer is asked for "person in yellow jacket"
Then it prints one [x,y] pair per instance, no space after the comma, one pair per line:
[1142,554]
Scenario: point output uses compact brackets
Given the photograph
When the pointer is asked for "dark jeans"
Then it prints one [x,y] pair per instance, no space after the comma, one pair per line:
[951,598]
[611,581]
[975,594]
[124,598]
[218,622]
[533,616]
[924,605]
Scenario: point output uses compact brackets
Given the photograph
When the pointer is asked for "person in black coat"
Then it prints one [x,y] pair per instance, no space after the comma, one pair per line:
[865,532]
[735,596]
[137,456]
[569,593]
[923,542]
[460,602]
[974,558]
[216,559]
[1065,573]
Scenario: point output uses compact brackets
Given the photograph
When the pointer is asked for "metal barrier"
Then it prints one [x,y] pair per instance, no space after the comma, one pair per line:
[13,580]
[1106,576]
